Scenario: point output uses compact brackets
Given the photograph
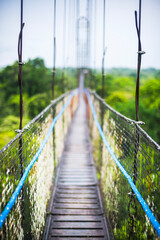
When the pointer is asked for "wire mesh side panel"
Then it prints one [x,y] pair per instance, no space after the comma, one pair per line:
[9,178]
[59,134]
[27,217]
[38,184]
[140,157]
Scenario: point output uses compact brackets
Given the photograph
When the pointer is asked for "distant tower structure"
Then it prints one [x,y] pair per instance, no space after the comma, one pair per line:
[83,39]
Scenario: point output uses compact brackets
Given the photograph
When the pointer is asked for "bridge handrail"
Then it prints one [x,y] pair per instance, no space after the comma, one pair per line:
[143,203]
[15,194]
[54,102]
[156,145]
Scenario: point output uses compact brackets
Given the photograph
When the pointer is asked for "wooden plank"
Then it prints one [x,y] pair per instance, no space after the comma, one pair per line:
[78,191]
[78,218]
[75,238]
[73,201]
[77,166]
[84,161]
[71,154]
[76,180]
[79,184]
[76,211]
[78,161]
[78,170]
[90,168]
[77,175]
[78,188]
[77,225]
[77,232]
[76,195]
[73,159]
[76,205]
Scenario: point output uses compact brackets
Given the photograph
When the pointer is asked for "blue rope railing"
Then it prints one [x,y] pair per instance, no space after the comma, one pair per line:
[144,205]
[14,196]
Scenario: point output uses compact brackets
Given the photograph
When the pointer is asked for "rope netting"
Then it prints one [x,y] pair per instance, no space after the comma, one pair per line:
[27,173]
[127,161]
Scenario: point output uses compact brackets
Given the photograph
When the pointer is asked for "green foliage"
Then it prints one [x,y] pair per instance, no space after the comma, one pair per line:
[116,97]
[36,77]
[37,103]
[119,91]
[120,85]
[150,93]
[37,82]
[7,128]
[13,103]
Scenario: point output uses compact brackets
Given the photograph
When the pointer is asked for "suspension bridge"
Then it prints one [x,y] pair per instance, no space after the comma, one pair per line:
[80,169]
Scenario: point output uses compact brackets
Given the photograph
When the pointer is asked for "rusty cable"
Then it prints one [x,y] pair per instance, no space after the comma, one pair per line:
[103,49]
[54,50]
[140,52]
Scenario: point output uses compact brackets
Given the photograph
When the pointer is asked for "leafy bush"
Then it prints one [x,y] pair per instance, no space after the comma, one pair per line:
[37,103]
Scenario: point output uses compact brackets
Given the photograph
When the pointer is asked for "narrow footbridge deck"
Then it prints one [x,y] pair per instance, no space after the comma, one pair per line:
[77,211]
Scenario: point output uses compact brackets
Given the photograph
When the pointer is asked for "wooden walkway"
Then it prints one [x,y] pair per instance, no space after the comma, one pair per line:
[76,211]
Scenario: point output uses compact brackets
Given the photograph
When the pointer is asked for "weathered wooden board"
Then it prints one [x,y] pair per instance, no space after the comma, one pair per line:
[76,195]
[73,201]
[76,238]
[76,212]
[76,191]
[81,218]
[77,225]
[77,233]
[77,206]
[77,187]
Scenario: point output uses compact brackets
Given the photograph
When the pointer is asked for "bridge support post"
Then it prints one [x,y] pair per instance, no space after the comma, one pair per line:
[132,217]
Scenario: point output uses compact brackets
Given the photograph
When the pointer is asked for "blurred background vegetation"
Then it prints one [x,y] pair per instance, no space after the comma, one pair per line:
[120,85]
[119,93]
[37,81]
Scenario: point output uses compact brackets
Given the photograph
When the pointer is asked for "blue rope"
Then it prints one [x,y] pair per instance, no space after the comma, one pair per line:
[14,196]
[144,205]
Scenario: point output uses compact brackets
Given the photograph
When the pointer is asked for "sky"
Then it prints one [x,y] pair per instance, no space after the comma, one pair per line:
[120,37]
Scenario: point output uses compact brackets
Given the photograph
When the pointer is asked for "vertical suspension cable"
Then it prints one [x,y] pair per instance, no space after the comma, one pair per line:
[132,203]
[64,36]
[87,54]
[77,40]
[103,49]
[88,35]
[95,32]
[54,49]
[20,39]
[73,32]
[104,6]
[140,52]
[69,29]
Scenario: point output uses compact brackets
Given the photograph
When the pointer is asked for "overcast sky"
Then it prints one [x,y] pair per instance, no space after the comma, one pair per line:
[121,38]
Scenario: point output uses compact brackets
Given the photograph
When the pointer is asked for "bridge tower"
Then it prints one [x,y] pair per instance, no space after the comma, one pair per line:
[83,35]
